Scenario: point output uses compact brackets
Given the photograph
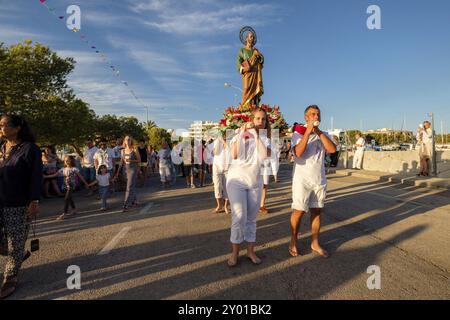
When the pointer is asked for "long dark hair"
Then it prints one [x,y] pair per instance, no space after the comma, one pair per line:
[24,134]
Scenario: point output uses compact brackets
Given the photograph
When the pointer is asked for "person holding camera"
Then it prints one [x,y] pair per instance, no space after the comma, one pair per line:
[20,192]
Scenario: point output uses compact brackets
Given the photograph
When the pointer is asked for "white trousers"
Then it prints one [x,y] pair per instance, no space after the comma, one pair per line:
[220,183]
[275,164]
[244,202]
[164,172]
[357,160]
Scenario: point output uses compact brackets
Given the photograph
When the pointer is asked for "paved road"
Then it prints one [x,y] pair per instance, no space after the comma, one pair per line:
[174,247]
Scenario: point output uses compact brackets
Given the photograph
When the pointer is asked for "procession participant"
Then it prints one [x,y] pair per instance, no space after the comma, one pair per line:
[309,181]
[249,148]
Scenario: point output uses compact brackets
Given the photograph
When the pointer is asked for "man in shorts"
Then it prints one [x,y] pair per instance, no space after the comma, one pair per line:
[309,181]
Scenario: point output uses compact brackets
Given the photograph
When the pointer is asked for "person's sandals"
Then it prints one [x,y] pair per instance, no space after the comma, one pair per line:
[321,252]
[8,287]
[218,210]
[263,210]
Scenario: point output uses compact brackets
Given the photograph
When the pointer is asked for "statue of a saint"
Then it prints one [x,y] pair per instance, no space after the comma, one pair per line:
[249,64]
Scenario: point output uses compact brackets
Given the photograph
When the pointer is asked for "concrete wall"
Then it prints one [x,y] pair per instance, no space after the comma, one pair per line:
[406,162]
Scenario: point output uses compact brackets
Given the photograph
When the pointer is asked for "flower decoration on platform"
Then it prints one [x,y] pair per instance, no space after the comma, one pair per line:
[234,118]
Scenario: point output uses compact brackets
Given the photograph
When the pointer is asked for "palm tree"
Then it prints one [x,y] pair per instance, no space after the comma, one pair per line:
[149,125]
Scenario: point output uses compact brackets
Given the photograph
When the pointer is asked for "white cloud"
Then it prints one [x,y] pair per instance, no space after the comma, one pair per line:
[171,73]
[203,17]
[11,34]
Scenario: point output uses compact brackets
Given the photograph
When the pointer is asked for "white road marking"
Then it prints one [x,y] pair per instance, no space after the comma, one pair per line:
[146,208]
[114,241]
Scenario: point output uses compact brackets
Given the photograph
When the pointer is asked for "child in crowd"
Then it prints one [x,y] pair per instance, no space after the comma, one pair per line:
[69,172]
[103,179]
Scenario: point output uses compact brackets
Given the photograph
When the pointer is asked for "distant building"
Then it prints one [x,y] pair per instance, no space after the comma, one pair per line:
[198,128]
[388,131]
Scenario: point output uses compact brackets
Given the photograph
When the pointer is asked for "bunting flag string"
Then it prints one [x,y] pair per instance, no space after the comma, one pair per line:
[83,37]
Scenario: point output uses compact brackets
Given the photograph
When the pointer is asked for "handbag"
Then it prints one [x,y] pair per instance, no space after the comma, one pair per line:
[34,244]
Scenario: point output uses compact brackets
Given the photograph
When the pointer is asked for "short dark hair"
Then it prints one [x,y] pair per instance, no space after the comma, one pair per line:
[24,134]
[99,171]
[313,106]
[72,163]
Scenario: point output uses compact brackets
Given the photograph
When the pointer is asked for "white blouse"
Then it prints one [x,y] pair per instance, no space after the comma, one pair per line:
[247,166]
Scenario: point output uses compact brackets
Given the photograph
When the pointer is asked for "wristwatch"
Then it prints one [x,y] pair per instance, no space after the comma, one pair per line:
[35,201]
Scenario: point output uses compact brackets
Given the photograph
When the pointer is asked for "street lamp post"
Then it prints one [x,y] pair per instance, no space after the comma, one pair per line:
[229,85]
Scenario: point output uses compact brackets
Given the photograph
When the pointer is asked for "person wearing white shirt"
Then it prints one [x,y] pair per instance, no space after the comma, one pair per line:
[309,181]
[425,138]
[359,153]
[104,156]
[269,168]
[221,161]
[164,159]
[249,148]
[88,167]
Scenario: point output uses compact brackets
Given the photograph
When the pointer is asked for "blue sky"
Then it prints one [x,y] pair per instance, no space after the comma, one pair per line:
[176,56]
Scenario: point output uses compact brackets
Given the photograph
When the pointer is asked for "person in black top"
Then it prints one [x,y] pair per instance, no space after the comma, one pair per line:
[20,191]
[143,152]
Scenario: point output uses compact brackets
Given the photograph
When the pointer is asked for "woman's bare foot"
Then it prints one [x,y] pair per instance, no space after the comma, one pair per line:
[254,258]
[218,209]
[232,261]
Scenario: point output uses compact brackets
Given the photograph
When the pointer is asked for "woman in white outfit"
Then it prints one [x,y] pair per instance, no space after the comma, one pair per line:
[221,162]
[249,148]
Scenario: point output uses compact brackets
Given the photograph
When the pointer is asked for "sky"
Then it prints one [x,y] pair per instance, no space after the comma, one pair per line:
[176,56]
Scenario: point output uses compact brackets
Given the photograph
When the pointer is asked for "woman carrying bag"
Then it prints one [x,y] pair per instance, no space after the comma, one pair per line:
[20,187]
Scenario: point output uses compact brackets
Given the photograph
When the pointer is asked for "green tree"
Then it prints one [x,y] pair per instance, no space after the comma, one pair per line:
[111,127]
[156,136]
[59,122]
[30,74]
[33,84]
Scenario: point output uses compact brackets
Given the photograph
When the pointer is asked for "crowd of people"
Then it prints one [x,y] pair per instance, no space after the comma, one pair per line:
[239,167]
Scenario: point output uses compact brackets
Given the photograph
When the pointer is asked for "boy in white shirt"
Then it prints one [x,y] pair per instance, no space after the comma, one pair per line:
[309,180]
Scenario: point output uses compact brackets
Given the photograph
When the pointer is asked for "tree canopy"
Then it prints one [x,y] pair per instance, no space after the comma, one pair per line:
[33,83]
